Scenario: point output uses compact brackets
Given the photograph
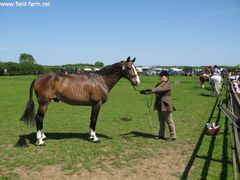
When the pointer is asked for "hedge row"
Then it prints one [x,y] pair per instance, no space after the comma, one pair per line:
[26,68]
[20,68]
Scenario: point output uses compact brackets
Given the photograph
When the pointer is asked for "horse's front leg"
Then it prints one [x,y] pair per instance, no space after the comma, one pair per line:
[93,122]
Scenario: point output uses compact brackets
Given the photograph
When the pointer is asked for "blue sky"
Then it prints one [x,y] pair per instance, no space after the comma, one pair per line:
[156,32]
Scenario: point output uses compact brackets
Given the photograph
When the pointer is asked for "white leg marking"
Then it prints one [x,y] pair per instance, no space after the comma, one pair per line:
[39,135]
[39,138]
[93,135]
[41,142]
[43,135]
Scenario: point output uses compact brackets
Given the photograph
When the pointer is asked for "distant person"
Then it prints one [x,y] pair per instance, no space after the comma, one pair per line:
[5,72]
[37,73]
[233,76]
[216,71]
[163,105]
[237,85]
[216,81]
[63,70]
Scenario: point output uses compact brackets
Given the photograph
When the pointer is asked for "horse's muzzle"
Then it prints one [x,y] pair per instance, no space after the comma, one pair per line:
[135,80]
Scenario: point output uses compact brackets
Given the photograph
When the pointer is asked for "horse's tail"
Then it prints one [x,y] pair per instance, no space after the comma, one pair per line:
[29,113]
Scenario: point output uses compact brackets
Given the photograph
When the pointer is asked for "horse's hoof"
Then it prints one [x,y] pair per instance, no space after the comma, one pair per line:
[97,141]
[42,144]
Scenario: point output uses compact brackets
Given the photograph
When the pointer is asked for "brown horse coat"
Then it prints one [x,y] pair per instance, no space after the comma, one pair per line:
[86,88]
[81,89]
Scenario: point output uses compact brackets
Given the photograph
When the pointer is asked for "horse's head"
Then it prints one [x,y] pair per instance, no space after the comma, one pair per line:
[130,72]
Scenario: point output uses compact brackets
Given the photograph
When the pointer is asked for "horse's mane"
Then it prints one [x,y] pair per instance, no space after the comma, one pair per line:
[111,68]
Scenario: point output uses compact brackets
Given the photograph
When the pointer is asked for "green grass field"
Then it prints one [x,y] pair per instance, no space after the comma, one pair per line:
[123,128]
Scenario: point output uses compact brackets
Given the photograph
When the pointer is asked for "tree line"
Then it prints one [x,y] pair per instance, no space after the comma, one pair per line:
[28,66]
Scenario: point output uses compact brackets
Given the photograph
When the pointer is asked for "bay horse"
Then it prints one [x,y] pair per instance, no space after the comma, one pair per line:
[86,89]
[203,78]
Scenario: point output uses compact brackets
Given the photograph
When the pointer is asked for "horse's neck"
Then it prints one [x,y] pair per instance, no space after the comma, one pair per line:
[111,79]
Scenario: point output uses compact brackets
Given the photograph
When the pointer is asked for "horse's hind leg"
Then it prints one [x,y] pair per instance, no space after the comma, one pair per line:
[39,123]
[212,87]
[93,122]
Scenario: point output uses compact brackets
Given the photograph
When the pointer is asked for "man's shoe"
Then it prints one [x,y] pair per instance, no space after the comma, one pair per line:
[172,139]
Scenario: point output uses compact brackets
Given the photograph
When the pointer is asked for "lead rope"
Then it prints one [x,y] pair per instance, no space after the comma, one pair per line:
[135,89]
[149,104]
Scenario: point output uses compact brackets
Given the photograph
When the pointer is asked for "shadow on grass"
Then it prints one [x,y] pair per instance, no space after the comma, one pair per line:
[197,147]
[137,134]
[208,158]
[206,95]
[214,160]
[200,88]
[31,138]
[208,88]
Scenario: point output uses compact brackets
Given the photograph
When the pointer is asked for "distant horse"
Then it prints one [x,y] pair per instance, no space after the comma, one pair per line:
[86,89]
[203,78]
[216,85]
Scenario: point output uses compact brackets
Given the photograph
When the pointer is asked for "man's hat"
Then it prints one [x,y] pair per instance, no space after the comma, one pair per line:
[163,73]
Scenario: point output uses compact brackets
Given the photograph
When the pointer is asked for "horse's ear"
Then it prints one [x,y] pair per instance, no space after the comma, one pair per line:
[128,59]
[133,60]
